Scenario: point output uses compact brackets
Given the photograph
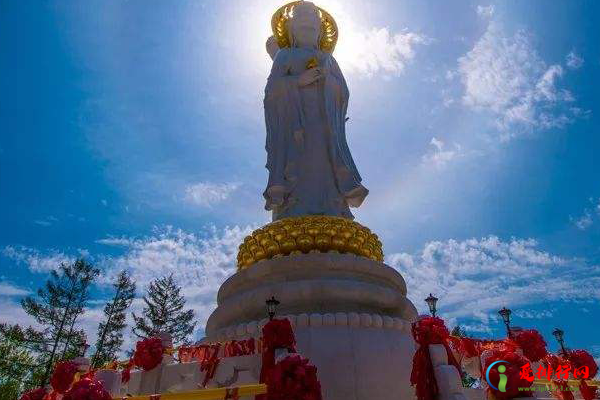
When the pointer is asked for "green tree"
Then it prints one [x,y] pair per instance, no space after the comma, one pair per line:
[467,380]
[56,308]
[110,331]
[164,312]
[18,368]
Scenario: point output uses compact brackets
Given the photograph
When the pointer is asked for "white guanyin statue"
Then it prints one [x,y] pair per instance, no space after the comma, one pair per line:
[311,170]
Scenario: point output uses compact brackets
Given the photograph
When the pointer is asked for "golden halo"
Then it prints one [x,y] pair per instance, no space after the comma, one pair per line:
[329,29]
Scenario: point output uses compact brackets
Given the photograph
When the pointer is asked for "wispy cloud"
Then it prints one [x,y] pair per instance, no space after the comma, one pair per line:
[589,215]
[37,261]
[379,51]
[7,289]
[574,61]
[476,276]
[373,50]
[49,220]
[206,194]
[504,75]
[440,156]
[485,11]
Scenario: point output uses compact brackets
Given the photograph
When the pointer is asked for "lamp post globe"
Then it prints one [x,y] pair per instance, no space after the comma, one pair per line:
[559,335]
[505,314]
[272,304]
[432,302]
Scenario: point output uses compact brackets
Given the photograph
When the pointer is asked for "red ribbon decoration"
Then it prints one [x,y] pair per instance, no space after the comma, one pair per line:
[36,394]
[276,334]
[426,331]
[582,360]
[210,363]
[63,376]
[126,373]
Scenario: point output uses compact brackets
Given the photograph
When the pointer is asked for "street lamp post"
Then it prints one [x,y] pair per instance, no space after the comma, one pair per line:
[83,346]
[505,314]
[272,304]
[559,335]
[431,302]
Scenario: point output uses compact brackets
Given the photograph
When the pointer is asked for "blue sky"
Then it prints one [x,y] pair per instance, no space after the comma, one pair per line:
[133,134]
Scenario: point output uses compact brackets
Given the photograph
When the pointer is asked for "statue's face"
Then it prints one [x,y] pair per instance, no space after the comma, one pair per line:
[305,25]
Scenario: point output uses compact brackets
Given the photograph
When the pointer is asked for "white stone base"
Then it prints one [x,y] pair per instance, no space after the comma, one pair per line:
[350,316]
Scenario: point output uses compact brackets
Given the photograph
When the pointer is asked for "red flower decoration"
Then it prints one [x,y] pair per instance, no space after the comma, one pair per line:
[515,380]
[63,375]
[293,378]
[148,353]
[87,389]
[532,344]
[36,394]
[581,358]
[278,333]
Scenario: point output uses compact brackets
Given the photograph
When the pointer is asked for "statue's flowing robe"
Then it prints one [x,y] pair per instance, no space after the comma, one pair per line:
[311,170]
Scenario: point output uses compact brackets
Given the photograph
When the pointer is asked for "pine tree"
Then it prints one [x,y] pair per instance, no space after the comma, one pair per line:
[110,331]
[57,308]
[164,312]
[18,368]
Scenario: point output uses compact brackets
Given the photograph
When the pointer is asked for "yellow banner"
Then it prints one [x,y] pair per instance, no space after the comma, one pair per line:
[204,394]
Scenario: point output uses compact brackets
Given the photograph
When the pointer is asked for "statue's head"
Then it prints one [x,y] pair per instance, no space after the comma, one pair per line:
[302,24]
[305,25]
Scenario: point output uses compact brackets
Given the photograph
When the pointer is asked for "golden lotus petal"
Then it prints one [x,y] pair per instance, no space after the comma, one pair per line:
[259,254]
[305,242]
[288,245]
[365,251]
[296,232]
[313,229]
[323,242]
[272,248]
[353,245]
[338,243]
[346,233]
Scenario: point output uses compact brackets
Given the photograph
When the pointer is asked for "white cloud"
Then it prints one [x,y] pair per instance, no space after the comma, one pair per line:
[7,289]
[37,261]
[583,222]
[475,277]
[574,61]
[439,157]
[206,194]
[11,312]
[533,314]
[485,11]
[199,264]
[377,51]
[587,218]
[49,220]
[370,51]
[505,76]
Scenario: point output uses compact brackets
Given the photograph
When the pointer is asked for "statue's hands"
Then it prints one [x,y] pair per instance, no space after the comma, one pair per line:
[311,75]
